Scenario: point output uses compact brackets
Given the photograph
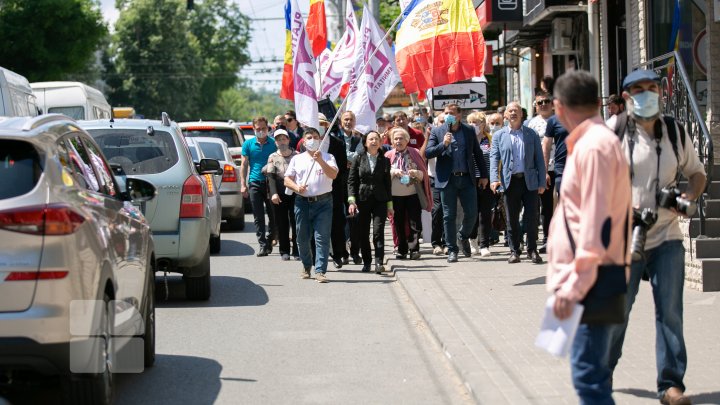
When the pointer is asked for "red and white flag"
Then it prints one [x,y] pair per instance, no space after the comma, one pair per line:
[342,58]
[370,86]
[304,70]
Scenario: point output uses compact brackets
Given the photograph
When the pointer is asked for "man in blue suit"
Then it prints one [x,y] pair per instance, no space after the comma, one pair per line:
[460,168]
[517,148]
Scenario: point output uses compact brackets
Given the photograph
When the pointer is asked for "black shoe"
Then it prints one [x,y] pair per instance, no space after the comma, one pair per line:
[337,263]
[452,257]
[513,258]
[345,260]
[465,244]
[400,257]
[366,268]
[262,252]
[543,248]
[357,259]
[379,268]
[535,257]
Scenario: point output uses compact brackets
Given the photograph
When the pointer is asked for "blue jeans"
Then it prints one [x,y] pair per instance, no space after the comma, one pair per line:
[314,218]
[665,266]
[589,365]
[462,187]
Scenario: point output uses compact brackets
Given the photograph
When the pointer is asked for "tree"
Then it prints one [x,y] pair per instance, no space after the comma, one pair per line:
[49,39]
[242,104]
[389,10]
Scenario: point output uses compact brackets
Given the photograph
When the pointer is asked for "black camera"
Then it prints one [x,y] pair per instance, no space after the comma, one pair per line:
[669,197]
[642,222]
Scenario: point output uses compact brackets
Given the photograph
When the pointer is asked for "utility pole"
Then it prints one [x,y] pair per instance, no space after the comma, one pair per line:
[375,9]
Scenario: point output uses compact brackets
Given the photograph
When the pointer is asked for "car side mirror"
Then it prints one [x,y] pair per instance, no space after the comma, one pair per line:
[138,190]
[209,166]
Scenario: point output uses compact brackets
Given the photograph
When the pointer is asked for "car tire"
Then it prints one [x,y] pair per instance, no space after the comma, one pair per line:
[97,388]
[236,224]
[149,335]
[215,244]
[198,288]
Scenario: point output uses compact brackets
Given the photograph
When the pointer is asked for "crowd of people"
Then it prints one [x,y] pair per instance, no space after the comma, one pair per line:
[324,189]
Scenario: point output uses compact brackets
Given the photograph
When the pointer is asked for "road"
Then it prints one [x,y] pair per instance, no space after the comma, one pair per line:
[266,336]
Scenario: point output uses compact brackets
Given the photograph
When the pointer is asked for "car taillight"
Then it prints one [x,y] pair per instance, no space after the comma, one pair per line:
[237,157]
[229,175]
[35,275]
[192,203]
[53,219]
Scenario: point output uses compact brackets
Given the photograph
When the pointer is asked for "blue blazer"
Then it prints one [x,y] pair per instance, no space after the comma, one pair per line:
[501,152]
[444,164]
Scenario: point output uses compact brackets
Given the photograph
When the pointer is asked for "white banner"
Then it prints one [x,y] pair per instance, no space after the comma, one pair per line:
[370,88]
[304,71]
[342,58]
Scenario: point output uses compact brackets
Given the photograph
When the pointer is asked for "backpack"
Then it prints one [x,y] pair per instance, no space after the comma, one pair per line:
[621,124]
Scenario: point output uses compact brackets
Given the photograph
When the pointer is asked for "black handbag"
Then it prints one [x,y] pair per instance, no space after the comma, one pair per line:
[605,301]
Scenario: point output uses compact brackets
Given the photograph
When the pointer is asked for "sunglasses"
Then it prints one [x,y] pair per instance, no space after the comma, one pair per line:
[289,119]
[543,102]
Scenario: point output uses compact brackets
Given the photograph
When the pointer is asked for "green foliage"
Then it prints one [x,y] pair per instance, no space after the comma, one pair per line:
[242,104]
[166,58]
[389,11]
[49,39]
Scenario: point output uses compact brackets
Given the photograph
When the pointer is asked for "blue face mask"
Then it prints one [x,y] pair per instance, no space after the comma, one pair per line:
[646,104]
[450,119]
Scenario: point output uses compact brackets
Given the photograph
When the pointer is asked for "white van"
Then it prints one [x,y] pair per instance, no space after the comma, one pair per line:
[74,99]
[16,96]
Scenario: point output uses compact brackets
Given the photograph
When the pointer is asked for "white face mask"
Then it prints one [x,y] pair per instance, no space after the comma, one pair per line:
[322,131]
[312,144]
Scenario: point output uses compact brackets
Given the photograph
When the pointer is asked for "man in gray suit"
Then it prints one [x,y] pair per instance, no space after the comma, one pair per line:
[517,148]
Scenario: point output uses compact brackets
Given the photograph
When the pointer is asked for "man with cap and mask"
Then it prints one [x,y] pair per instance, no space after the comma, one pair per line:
[657,149]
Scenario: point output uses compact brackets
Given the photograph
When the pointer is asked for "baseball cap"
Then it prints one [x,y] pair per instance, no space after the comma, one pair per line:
[639,76]
[282,132]
[322,118]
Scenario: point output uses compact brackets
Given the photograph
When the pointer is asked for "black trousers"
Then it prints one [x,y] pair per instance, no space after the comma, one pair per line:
[517,197]
[547,206]
[438,227]
[337,231]
[375,211]
[261,204]
[407,209]
[483,225]
[285,221]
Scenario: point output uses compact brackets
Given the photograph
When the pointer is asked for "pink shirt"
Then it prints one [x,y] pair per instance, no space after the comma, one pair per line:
[595,187]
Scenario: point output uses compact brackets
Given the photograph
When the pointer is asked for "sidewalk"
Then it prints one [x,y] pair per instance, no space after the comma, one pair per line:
[486,314]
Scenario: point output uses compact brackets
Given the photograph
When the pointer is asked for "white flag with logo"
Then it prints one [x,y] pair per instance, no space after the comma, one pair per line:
[370,87]
[342,57]
[304,71]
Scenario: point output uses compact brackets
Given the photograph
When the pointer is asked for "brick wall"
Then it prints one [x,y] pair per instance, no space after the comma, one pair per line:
[638,33]
[713,107]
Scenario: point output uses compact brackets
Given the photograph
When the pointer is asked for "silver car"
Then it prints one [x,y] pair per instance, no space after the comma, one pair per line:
[179,217]
[214,199]
[76,263]
[232,199]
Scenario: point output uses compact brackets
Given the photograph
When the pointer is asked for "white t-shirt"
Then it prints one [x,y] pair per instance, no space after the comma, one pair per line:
[317,182]
[539,124]
[643,183]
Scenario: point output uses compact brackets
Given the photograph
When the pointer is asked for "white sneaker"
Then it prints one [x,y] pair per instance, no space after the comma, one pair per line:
[485,252]
[474,246]
[438,251]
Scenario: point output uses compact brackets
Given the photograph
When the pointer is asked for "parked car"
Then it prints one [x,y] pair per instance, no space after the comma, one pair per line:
[180,215]
[16,96]
[76,263]
[232,199]
[225,130]
[214,199]
[74,99]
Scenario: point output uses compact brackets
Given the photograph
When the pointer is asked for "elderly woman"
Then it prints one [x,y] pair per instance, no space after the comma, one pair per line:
[410,192]
[485,196]
[370,198]
[283,204]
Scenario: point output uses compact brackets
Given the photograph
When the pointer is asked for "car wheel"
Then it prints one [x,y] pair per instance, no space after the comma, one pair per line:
[198,288]
[96,388]
[215,244]
[149,335]
[237,224]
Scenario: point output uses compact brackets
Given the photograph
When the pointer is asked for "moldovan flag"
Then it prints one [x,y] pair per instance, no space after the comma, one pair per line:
[438,42]
[342,58]
[286,89]
[304,71]
[316,27]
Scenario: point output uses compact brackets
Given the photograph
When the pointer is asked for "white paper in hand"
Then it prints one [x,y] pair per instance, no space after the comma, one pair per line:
[556,336]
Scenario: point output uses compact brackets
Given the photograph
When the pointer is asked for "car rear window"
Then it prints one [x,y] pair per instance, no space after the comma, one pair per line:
[212,150]
[212,132]
[136,151]
[76,113]
[194,153]
[20,168]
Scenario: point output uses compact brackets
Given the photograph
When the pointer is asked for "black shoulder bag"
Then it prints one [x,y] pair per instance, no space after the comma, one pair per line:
[605,301]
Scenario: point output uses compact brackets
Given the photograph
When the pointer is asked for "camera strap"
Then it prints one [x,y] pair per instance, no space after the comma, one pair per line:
[657,129]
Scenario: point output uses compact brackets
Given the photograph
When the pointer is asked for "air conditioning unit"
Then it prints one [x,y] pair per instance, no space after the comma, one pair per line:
[561,36]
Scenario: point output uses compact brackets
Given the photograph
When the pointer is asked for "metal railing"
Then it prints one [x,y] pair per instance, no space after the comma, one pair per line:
[679,102]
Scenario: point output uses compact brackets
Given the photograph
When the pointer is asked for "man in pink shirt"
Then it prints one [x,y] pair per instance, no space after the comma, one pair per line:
[595,201]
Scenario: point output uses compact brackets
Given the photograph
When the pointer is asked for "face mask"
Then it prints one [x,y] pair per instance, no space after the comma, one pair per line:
[312,144]
[450,119]
[322,131]
[259,134]
[476,127]
[283,147]
[494,128]
[646,104]
[405,179]
[420,119]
